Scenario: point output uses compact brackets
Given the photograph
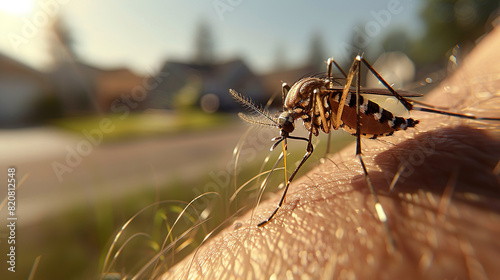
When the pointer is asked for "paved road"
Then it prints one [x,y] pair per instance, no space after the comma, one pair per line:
[109,169]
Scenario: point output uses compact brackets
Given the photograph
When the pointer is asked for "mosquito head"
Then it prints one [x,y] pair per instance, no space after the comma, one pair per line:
[285,122]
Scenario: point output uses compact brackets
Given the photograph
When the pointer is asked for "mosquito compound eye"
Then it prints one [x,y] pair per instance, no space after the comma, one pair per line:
[285,122]
[288,126]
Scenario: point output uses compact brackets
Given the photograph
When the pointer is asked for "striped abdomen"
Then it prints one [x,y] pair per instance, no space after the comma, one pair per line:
[374,120]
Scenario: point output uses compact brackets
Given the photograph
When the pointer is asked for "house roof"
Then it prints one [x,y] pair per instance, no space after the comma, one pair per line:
[10,67]
[214,79]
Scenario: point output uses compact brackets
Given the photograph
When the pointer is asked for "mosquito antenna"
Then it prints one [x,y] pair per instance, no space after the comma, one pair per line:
[248,103]
[256,119]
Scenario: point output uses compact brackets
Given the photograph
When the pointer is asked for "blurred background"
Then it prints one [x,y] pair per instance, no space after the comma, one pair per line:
[108,108]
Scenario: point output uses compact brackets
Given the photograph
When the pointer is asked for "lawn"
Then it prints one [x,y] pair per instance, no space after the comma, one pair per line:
[149,123]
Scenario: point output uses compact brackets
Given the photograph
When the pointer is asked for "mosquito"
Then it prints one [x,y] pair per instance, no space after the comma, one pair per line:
[324,105]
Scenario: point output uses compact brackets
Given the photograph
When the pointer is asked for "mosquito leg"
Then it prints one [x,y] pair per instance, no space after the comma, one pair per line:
[358,113]
[329,71]
[348,81]
[401,99]
[304,159]
[378,207]
[308,153]
[329,139]
[331,61]
[431,110]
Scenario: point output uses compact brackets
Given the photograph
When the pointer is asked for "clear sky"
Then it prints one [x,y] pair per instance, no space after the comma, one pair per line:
[141,35]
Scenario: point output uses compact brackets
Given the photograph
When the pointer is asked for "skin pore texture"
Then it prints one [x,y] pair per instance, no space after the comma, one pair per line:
[443,213]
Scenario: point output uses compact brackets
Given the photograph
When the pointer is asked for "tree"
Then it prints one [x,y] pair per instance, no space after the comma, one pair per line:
[63,43]
[451,22]
[204,44]
[397,41]
[280,62]
[317,55]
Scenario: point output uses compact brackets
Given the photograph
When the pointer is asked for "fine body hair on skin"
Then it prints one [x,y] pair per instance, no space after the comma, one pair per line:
[443,212]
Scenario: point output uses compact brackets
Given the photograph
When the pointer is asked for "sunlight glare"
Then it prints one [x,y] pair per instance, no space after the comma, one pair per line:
[17,7]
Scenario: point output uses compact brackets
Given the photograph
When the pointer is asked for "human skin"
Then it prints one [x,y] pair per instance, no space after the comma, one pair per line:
[443,213]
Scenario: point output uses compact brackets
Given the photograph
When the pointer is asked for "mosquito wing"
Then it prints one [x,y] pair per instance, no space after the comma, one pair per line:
[382,91]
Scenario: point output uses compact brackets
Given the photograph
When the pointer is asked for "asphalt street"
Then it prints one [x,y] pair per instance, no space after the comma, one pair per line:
[64,169]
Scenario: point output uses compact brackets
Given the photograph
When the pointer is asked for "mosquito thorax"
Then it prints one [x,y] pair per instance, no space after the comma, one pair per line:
[300,93]
[285,122]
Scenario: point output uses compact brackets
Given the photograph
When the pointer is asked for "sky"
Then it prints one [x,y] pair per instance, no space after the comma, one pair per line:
[141,35]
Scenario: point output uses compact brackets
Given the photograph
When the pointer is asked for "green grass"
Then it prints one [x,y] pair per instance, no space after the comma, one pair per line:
[118,127]
[73,244]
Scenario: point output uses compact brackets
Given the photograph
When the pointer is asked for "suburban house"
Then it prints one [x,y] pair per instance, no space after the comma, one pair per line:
[83,88]
[29,97]
[22,91]
[73,88]
[204,85]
